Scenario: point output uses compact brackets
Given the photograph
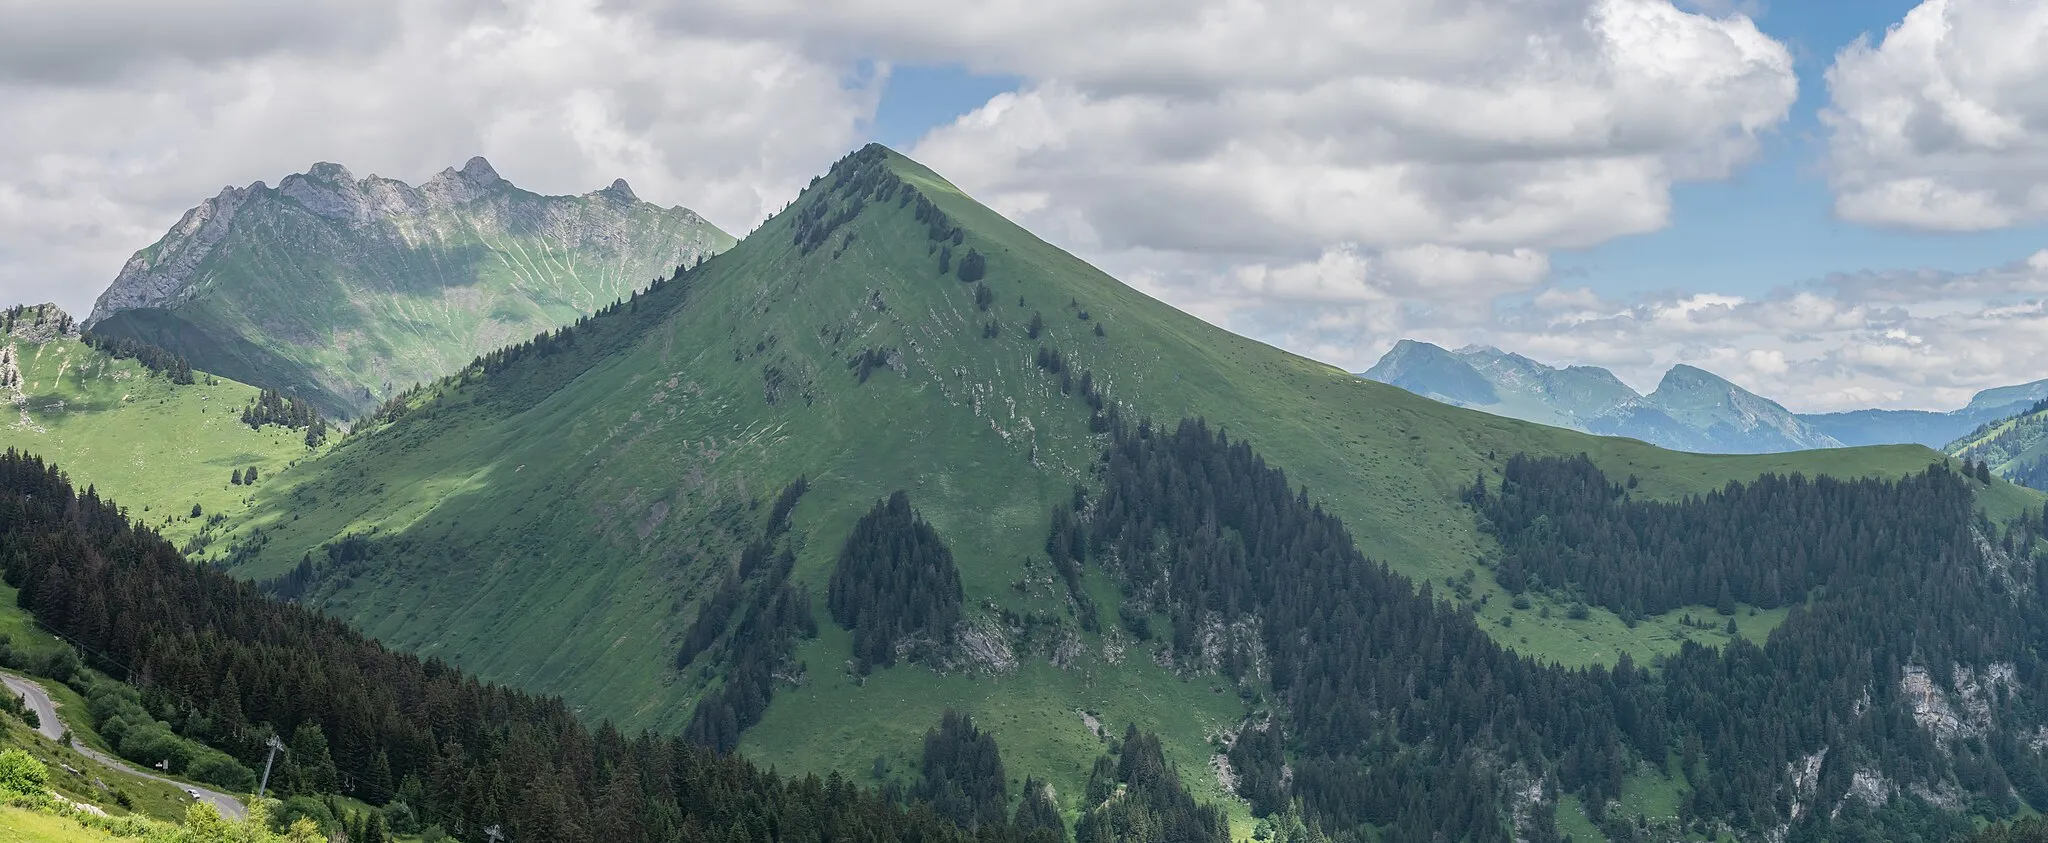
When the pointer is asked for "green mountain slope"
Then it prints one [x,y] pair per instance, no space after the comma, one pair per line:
[345,292]
[560,516]
[132,432]
[2015,447]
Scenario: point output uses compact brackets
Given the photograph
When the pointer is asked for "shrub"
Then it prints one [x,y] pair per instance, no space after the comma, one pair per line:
[222,771]
[21,773]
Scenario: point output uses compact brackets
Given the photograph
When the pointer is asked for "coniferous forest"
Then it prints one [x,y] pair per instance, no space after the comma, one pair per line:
[1399,715]
[895,582]
[156,360]
[468,754]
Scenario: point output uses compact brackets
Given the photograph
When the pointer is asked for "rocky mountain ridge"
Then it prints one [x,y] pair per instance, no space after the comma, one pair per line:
[345,290]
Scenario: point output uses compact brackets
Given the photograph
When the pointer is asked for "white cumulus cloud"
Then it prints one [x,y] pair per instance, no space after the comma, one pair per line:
[1942,123]
[106,147]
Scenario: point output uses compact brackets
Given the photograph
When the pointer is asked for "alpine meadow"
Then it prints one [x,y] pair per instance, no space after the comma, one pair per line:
[1267,421]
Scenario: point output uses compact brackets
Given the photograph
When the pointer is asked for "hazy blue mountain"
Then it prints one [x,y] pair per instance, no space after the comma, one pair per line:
[1926,427]
[1691,409]
[1732,418]
[1501,383]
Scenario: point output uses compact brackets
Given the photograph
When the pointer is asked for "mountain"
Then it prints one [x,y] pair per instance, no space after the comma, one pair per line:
[416,749]
[1726,413]
[1505,384]
[1691,410]
[345,292]
[128,418]
[1933,429]
[893,455]
[2015,447]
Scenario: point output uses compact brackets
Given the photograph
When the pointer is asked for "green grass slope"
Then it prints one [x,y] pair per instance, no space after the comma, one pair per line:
[135,435]
[2015,447]
[556,524]
[345,292]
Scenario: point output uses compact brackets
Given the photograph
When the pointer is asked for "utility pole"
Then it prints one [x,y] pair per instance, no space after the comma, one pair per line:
[275,745]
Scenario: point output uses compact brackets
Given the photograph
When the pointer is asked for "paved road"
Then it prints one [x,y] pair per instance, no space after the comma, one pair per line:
[53,728]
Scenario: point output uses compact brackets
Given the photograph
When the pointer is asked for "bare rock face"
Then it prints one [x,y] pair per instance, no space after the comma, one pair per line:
[157,275]
[345,290]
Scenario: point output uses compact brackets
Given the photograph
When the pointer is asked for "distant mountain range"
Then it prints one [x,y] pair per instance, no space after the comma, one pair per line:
[346,291]
[1690,410]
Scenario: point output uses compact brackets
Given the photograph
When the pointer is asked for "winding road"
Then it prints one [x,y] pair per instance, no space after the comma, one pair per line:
[53,728]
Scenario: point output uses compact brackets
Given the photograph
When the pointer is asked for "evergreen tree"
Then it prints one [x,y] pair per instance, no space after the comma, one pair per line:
[895,584]
[963,773]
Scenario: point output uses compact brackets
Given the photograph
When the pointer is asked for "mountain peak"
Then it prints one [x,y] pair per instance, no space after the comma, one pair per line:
[456,187]
[331,173]
[264,256]
[1683,376]
[479,172]
[622,190]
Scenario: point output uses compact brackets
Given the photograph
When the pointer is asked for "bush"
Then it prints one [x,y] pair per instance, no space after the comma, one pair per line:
[400,817]
[223,772]
[305,807]
[61,664]
[22,774]
[153,743]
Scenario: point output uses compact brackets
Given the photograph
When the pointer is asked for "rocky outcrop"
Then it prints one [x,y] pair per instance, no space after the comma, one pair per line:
[156,276]
[1962,713]
[37,323]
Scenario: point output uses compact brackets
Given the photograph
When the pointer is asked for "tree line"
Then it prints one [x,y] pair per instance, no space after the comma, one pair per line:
[472,754]
[774,615]
[171,366]
[1399,718]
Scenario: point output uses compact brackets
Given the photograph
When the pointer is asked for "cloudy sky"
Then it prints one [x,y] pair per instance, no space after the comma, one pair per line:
[1837,203]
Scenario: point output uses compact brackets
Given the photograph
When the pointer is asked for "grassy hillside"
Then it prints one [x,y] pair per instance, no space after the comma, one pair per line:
[18,825]
[557,522]
[136,435]
[2016,447]
[345,292]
